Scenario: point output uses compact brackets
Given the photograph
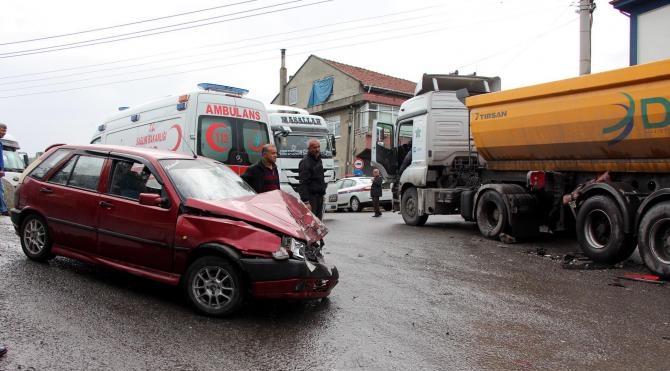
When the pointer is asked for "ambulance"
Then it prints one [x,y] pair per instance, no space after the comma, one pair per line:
[293,128]
[216,121]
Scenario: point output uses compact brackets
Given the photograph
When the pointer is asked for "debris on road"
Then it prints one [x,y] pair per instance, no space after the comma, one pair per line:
[641,277]
[616,283]
[577,261]
[505,238]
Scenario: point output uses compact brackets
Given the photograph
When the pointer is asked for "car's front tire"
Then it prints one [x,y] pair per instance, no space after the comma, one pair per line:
[35,238]
[214,286]
[355,204]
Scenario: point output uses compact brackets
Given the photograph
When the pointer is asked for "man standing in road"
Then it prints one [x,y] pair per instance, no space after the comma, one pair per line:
[3,206]
[376,191]
[312,183]
[263,175]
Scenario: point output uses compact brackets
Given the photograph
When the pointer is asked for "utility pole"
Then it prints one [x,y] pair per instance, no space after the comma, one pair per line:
[282,79]
[586,8]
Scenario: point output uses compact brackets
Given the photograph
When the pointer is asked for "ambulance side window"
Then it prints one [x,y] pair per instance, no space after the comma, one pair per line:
[254,137]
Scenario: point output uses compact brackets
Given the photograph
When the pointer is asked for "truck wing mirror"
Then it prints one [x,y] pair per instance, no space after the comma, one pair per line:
[333,144]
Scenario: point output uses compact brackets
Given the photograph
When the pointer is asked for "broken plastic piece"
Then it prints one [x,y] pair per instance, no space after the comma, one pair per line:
[641,277]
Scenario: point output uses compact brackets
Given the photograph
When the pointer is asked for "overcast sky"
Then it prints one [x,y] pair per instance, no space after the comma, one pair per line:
[522,41]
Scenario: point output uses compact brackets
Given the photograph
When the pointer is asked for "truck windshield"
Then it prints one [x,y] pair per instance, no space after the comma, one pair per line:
[205,180]
[12,160]
[230,140]
[295,145]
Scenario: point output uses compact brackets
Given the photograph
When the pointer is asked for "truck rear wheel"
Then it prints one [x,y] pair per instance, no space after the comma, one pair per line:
[600,231]
[654,239]
[410,208]
[491,214]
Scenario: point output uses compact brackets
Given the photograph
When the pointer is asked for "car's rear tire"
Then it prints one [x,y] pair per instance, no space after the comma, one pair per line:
[355,204]
[600,231]
[214,286]
[35,239]
[410,208]
[654,239]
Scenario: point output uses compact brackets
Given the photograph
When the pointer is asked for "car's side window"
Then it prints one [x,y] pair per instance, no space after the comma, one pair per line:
[348,183]
[63,175]
[43,168]
[130,178]
[86,172]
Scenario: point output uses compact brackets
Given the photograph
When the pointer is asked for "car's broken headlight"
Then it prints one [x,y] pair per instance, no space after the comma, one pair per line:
[296,247]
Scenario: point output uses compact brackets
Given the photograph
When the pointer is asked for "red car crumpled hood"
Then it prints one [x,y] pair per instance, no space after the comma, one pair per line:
[276,210]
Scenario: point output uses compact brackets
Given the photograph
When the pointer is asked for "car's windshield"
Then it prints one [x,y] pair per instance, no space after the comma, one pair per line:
[295,145]
[13,161]
[205,180]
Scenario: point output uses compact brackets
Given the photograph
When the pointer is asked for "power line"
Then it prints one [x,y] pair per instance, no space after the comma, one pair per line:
[106,39]
[246,46]
[218,44]
[126,24]
[214,59]
[256,60]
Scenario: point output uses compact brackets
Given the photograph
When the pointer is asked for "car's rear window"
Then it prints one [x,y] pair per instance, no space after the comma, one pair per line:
[43,168]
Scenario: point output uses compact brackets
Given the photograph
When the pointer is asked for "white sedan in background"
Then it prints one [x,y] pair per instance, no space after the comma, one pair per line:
[354,194]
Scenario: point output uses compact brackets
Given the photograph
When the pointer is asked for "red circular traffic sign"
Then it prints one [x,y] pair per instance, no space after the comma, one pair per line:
[358,164]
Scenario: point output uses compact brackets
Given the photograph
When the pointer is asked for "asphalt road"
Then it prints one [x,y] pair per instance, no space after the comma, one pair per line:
[435,297]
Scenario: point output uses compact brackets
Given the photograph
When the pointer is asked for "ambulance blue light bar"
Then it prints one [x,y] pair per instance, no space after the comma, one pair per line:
[223,88]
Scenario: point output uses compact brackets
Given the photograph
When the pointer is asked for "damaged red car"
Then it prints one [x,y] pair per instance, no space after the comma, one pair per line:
[173,218]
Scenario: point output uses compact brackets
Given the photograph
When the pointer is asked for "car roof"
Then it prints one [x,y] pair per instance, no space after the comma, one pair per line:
[148,153]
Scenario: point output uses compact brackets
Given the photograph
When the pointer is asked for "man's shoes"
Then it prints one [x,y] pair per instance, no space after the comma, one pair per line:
[5,213]
[3,350]
[376,215]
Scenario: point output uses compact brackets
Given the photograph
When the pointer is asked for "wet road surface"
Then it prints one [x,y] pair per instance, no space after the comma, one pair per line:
[432,297]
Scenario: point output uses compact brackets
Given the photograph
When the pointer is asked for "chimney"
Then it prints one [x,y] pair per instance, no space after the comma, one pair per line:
[282,78]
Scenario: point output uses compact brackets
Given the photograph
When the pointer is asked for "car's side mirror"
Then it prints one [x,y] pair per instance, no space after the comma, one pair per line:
[151,199]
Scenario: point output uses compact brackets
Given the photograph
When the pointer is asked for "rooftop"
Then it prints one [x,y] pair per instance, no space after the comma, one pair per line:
[374,79]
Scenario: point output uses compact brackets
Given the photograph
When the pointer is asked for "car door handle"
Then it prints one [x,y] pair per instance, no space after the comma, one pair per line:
[46,190]
[106,205]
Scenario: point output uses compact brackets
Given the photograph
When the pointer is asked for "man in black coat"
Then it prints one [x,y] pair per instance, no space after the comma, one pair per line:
[311,175]
[263,175]
[376,191]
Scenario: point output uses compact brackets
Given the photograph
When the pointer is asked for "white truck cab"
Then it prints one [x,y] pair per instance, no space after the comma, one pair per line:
[14,163]
[216,121]
[293,128]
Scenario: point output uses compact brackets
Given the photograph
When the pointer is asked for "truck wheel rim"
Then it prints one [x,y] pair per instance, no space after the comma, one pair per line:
[598,229]
[411,207]
[491,214]
[659,240]
[34,236]
[213,287]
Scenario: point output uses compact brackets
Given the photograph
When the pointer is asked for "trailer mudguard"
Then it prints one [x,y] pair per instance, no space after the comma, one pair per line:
[653,199]
[622,193]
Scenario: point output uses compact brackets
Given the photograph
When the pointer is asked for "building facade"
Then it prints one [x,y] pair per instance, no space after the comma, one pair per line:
[649,28]
[351,99]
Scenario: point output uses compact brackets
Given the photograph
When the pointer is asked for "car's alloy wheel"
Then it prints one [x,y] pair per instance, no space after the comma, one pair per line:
[35,239]
[214,286]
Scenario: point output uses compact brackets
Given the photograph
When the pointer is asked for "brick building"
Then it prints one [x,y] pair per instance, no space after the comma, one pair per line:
[350,99]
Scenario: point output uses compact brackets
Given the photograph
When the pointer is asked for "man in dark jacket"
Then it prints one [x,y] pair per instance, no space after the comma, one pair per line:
[376,191]
[312,183]
[263,175]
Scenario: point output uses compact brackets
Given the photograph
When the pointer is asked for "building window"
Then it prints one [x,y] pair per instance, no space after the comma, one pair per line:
[373,112]
[333,123]
[293,96]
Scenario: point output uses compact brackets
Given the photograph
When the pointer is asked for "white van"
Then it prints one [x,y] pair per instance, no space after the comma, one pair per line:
[216,122]
[293,128]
